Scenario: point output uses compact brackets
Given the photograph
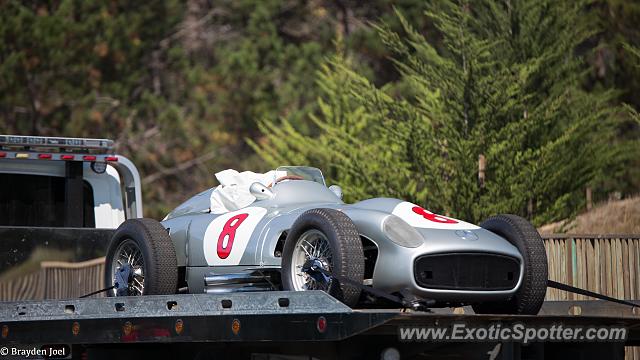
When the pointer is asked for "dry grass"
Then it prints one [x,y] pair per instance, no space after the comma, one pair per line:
[613,217]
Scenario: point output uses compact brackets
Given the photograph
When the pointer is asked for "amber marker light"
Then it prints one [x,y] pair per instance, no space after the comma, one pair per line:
[179,326]
[75,328]
[235,326]
[127,328]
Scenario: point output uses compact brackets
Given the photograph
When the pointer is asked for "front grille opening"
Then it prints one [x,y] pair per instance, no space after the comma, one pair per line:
[467,271]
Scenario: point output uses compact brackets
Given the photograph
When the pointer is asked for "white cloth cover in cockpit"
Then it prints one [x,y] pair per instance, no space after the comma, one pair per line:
[233,192]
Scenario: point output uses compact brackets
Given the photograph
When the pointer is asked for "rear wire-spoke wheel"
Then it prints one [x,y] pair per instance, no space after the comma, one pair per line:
[312,245]
[141,260]
[129,254]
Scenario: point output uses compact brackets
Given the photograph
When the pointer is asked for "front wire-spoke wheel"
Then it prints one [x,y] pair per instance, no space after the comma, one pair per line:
[322,249]
[312,246]
[128,254]
[530,295]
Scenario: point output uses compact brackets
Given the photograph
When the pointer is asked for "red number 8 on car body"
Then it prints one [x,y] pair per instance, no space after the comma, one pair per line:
[229,232]
[433,217]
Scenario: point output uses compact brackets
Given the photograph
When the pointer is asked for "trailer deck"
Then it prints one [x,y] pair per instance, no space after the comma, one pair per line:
[295,323]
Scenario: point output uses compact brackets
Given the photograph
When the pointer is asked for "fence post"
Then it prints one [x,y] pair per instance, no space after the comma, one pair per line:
[482,164]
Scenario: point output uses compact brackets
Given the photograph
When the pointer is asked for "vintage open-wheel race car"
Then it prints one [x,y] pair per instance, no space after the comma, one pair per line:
[297,234]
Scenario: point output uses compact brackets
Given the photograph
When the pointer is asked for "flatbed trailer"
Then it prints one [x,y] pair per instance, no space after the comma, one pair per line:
[288,325]
[94,190]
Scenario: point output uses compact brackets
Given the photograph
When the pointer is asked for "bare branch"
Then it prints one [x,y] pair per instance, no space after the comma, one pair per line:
[177,169]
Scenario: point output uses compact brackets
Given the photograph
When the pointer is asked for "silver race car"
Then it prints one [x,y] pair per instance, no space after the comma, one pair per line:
[299,235]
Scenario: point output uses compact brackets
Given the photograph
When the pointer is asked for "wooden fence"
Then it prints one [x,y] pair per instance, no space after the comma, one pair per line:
[607,264]
[56,280]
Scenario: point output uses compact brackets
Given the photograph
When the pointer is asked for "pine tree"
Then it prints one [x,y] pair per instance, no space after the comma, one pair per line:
[505,83]
[635,52]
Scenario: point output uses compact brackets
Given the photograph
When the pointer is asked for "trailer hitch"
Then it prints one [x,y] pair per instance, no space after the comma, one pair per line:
[313,268]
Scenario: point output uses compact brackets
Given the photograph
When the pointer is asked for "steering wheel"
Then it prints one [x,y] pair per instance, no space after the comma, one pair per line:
[286,177]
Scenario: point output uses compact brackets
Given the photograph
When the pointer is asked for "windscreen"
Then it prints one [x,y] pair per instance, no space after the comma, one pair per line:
[305,172]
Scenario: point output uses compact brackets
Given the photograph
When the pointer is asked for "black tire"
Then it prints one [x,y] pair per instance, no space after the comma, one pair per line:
[158,253]
[528,299]
[346,249]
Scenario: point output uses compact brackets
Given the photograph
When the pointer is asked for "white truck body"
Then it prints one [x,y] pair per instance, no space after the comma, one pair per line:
[108,206]
[60,201]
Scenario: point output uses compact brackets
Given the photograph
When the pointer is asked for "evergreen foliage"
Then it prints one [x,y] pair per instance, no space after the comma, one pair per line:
[506,84]
[402,105]
[636,53]
[178,85]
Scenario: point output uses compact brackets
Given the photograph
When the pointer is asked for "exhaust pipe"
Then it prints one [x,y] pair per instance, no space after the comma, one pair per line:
[238,282]
[230,289]
[228,279]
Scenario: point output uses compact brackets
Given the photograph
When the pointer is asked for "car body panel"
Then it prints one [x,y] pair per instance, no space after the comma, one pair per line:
[204,245]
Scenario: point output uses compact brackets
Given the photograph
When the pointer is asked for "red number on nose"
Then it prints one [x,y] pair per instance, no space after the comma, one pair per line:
[229,230]
[433,217]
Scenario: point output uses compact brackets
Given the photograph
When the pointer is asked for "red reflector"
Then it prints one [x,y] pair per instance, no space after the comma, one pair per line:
[159,332]
[44,156]
[67,157]
[321,324]
[111,158]
[89,158]
[3,154]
